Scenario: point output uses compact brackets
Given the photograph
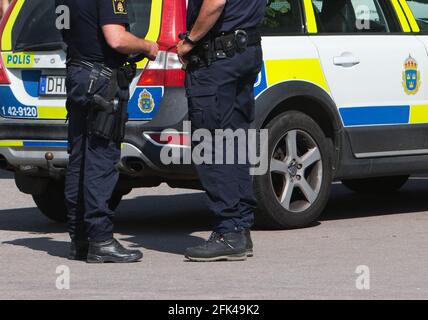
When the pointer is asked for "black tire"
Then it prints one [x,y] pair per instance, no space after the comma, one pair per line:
[380,185]
[115,201]
[271,213]
[52,202]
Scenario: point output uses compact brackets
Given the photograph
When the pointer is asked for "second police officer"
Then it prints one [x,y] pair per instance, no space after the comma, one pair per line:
[97,95]
[223,57]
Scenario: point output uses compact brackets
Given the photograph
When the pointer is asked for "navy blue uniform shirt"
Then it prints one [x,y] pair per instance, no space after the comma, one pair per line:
[85,39]
[237,14]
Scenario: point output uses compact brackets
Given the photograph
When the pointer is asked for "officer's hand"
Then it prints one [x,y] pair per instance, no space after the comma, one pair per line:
[183,49]
[152,50]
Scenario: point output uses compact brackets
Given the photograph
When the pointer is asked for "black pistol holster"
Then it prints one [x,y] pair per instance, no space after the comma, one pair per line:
[104,110]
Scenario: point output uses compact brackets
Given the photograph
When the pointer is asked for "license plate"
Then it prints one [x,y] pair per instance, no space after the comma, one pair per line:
[52,86]
[18,112]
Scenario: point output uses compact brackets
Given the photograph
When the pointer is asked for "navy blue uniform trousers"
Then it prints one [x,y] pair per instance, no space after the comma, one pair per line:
[91,175]
[221,96]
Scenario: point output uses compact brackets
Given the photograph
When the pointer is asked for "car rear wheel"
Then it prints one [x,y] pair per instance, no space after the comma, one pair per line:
[296,188]
[380,185]
[52,202]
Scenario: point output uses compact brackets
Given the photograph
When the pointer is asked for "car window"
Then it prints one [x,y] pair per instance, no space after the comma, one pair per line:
[419,9]
[353,16]
[139,16]
[282,17]
[34,28]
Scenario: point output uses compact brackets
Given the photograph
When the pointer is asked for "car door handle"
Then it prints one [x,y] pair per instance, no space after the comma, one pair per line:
[346,61]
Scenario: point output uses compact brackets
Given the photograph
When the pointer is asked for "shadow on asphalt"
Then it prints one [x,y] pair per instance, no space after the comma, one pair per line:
[345,204]
[165,223]
[162,223]
[45,244]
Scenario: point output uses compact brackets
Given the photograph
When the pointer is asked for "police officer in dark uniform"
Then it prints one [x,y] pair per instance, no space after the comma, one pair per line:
[223,57]
[97,94]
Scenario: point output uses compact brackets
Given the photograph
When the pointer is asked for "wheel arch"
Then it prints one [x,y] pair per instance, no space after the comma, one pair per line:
[307,98]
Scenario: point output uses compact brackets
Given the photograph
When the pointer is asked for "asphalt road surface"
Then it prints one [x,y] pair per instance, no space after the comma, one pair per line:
[385,236]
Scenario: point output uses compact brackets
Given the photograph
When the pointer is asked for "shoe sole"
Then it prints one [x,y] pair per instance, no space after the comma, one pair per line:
[101,259]
[234,257]
[250,253]
[73,258]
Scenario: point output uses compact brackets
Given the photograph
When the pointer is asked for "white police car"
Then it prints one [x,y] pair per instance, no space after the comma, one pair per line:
[343,92]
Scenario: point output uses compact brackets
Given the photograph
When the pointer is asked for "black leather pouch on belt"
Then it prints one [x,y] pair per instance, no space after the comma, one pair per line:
[225,44]
[238,41]
[126,74]
[109,113]
[105,117]
[104,111]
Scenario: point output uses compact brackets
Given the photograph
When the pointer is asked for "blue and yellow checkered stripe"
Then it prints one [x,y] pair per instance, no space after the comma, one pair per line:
[384,115]
[7,98]
[34,143]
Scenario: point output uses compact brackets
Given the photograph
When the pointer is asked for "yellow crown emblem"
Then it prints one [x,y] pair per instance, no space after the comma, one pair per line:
[411,76]
[145,102]
[145,95]
[411,64]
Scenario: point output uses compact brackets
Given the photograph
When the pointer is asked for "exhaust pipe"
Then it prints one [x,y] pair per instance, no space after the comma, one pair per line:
[134,166]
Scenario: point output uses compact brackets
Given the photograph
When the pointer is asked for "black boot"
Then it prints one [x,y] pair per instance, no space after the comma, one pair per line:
[78,250]
[247,233]
[250,251]
[229,246]
[111,251]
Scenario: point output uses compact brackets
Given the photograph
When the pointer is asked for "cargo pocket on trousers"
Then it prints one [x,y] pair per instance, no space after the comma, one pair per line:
[203,108]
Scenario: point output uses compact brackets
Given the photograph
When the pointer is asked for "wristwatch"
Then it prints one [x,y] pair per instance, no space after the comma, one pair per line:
[188,40]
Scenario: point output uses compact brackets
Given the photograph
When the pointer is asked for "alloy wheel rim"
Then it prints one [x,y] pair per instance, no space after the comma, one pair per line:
[296,170]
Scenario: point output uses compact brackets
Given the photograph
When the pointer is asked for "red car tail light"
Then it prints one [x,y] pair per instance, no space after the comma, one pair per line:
[166,70]
[3,75]
[170,139]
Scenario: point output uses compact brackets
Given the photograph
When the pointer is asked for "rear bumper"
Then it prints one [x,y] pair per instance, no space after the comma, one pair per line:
[24,143]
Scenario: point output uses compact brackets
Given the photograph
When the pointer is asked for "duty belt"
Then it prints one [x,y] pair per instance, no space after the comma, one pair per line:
[104,71]
[224,46]
[238,39]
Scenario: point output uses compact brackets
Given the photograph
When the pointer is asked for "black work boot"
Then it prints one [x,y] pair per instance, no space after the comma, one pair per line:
[78,250]
[250,252]
[247,232]
[111,251]
[219,247]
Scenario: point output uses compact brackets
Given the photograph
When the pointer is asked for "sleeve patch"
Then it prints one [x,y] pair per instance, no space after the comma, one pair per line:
[119,7]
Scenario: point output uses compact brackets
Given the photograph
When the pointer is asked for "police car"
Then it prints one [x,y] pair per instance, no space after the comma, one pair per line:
[343,92]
